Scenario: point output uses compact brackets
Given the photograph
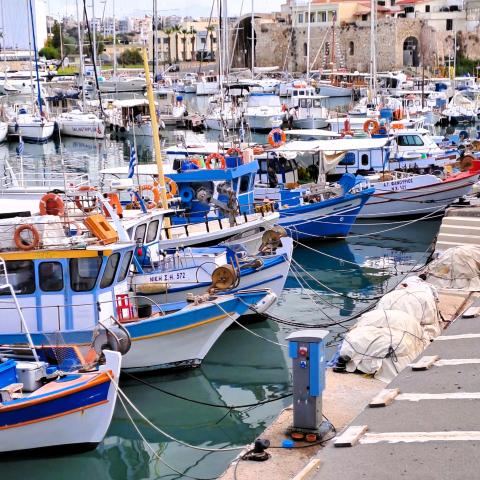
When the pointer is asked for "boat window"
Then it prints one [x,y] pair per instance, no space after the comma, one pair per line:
[409,140]
[84,273]
[110,270]
[124,266]
[21,275]
[317,103]
[364,159]
[244,183]
[50,276]
[140,233]
[152,231]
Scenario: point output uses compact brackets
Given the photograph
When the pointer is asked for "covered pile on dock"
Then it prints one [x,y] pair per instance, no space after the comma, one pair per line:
[456,268]
[385,340]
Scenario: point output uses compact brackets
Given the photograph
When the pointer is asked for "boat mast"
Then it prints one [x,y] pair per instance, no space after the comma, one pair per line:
[373,53]
[114,41]
[308,37]
[80,51]
[252,33]
[39,93]
[154,124]
[94,59]
[154,39]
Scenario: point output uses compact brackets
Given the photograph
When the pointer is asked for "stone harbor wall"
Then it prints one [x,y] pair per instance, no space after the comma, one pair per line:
[400,43]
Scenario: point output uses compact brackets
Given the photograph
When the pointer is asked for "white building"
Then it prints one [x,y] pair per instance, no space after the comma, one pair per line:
[15,23]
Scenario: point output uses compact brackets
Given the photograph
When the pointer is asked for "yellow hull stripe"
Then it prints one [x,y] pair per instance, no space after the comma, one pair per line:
[40,254]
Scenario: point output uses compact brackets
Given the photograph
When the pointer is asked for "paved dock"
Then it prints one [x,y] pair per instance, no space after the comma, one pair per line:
[431,429]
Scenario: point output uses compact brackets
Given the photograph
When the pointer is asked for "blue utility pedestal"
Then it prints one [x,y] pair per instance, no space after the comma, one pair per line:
[307,351]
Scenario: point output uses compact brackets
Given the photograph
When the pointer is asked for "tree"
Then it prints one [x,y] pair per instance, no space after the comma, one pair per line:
[184,42]
[176,30]
[56,35]
[193,34]
[168,32]
[211,29]
[50,53]
[130,56]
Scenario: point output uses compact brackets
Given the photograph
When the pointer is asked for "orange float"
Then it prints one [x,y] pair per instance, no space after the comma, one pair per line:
[172,187]
[20,242]
[234,151]
[277,137]
[370,126]
[51,204]
[218,158]
[114,201]
[156,194]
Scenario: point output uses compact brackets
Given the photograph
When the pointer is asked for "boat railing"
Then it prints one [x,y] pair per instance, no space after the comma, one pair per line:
[37,181]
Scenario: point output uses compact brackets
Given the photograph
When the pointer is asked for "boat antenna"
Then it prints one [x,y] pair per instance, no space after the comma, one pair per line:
[89,33]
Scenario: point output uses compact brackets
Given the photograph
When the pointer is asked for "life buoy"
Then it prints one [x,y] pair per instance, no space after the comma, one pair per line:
[234,152]
[218,158]
[370,126]
[21,243]
[114,201]
[258,150]
[80,203]
[52,204]
[277,137]
[172,187]
[156,194]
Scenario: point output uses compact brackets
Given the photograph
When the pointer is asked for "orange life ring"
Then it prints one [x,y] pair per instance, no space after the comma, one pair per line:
[196,161]
[217,157]
[274,134]
[79,201]
[258,150]
[370,126]
[114,201]
[234,151]
[172,187]
[52,204]
[20,242]
[156,194]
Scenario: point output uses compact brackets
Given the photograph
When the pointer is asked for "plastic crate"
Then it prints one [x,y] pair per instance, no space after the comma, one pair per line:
[8,373]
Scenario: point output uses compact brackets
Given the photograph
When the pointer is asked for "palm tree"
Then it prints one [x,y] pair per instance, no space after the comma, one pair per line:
[168,32]
[184,42]
[193,34]
[211,29]
[176,29]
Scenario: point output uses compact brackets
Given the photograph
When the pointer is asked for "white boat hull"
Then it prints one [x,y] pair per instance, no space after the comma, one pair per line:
[32,132]
[333,91]
[388,203]
[82,129]
[310,123]
[85,427]
[260,122]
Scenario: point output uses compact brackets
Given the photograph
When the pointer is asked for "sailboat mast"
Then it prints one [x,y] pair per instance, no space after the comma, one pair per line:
[373,52]
[252,35]
[39,93]
[94,33]
[154,39]
[80,51]
[114,41]
[308,37]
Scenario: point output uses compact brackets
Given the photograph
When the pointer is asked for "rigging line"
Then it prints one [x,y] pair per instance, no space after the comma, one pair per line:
[121,394]
[153,451]
[199,402]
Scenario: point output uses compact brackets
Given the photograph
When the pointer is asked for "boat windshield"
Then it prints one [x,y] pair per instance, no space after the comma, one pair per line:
[264,101]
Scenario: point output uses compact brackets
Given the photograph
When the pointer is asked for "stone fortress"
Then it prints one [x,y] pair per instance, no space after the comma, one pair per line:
[409,33]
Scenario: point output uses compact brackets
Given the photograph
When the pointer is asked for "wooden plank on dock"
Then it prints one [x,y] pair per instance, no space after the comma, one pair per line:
[350,436]
[384,397]
[309,468]
[425,362]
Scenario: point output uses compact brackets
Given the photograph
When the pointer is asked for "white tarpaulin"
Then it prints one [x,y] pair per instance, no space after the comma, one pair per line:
[418,302]
[382,343]
[456,268]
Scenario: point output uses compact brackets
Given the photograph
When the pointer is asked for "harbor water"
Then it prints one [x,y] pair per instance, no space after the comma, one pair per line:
[329,283]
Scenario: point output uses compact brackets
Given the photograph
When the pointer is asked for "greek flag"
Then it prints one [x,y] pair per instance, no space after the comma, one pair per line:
[133,162]
[20,148]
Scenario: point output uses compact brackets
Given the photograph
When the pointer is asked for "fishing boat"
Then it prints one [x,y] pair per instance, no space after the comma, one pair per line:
[52,397]
[314,210]
[167,276]
[70,273]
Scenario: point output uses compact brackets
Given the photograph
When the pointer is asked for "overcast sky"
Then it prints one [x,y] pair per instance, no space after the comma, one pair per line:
[140,7]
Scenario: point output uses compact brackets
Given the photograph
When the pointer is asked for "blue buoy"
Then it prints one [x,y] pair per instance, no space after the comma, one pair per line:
[288,443]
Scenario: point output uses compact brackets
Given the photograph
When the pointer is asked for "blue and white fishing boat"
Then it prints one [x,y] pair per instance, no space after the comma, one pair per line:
[46,401]
[167,276]
[68,283]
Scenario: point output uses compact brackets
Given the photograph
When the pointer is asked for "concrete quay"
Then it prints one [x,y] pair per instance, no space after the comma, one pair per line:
[431,428]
